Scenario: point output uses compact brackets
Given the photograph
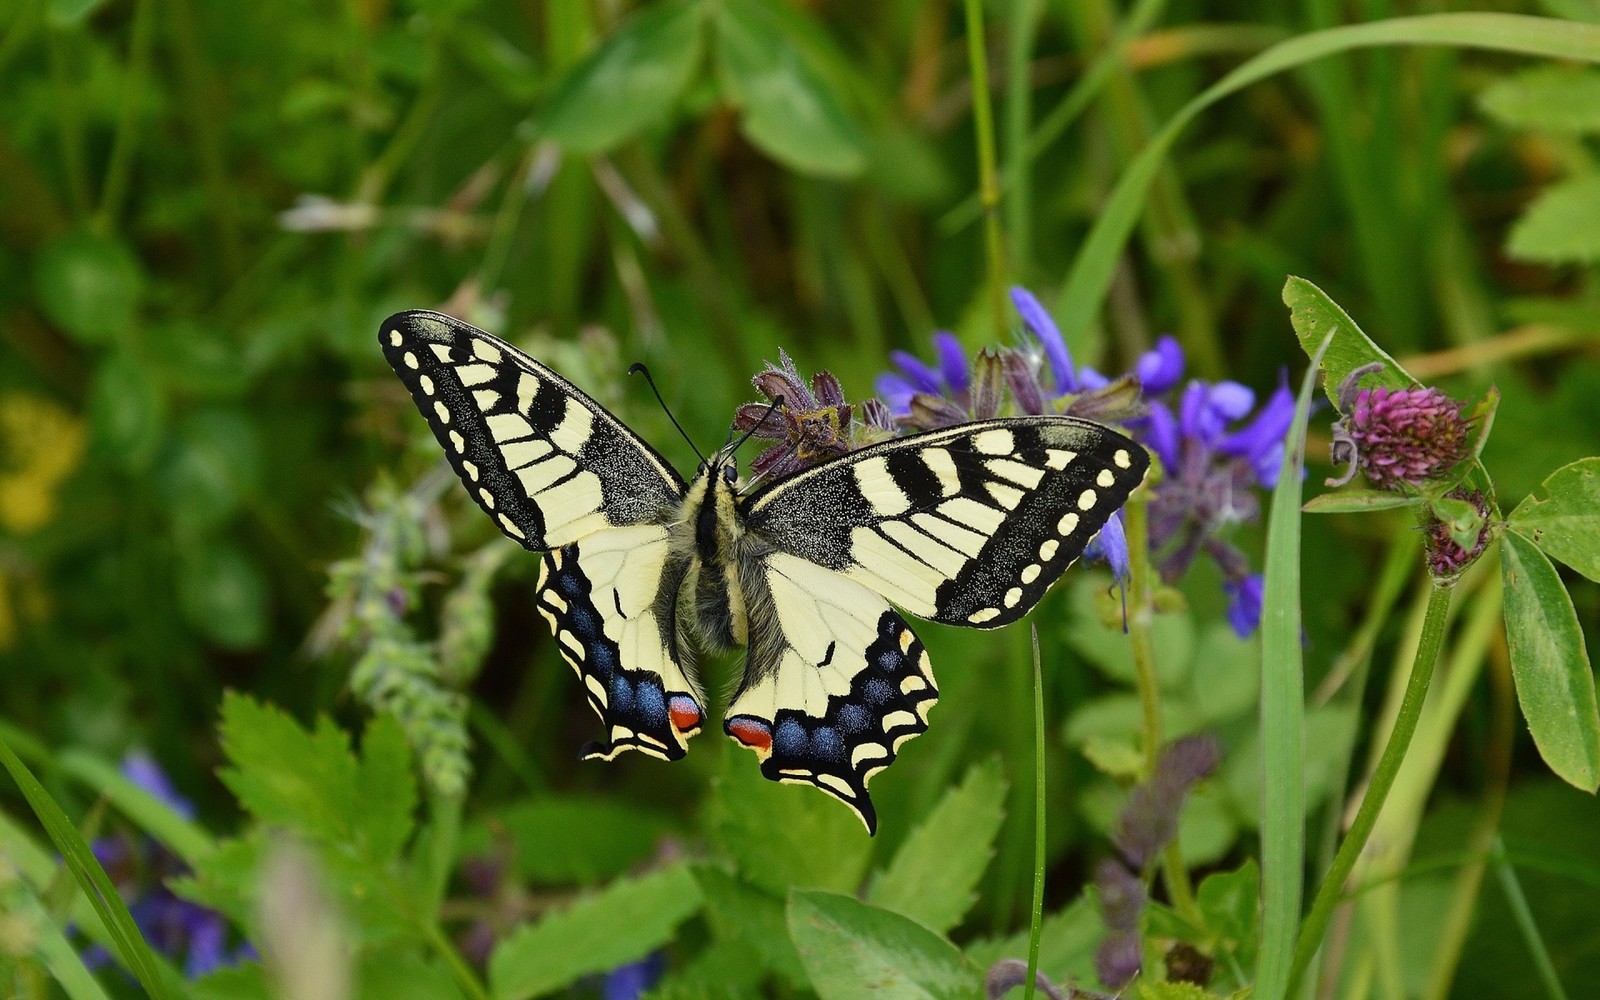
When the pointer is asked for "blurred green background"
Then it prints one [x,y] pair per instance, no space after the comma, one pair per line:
[206,209]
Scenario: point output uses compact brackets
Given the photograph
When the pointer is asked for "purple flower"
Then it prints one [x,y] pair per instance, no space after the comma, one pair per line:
[629,982]
[1244,602]
[183,930]
[1218,448]
[815,422]
[1110,546]
[1447,559]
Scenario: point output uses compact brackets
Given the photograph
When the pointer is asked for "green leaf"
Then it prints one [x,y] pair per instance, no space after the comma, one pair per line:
[245,981]
[1461,518]
[89,285]
[853,951]
[1067,942]
[1228,902]
[1314,317]
[311,783]
[49,944]
[1565,521]
[131,948]
[1562,226]
[223,594]
[786,836]
[386,789]
[1357,501]
[788,107]
[621,923]
[70,13]
[1103,248]
[631,82]
[1558,98]
[932,876]
[738,911]
[1555,684]
[565,840]
[128,412]
[1171,991]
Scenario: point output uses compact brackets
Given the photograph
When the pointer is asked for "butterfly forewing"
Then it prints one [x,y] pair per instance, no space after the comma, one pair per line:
[542,459]
[969,525]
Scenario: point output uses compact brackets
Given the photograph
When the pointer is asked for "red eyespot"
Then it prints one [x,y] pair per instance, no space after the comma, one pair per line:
[685,713]
[752,733]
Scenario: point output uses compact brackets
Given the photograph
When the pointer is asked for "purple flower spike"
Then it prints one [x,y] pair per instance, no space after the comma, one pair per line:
[1161,368]
[1260,442]
[952,362]
[1111,546]
[1161,434]
[1244,603]
[141,769]
[1042,326]
[895,391]
[917,373]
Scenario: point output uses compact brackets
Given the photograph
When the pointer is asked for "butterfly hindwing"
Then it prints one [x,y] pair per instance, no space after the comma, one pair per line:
[968,525]
[835,680]
[609,600]
[547,463]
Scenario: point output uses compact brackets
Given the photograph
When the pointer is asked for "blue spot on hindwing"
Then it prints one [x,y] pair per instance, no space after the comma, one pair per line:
[652,702]
[877,692]
[621,693]
[853,718]
[790,737]
[826,745]
[889,660]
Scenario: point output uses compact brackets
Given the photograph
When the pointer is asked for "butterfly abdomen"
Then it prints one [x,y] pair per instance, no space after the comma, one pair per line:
[707,532]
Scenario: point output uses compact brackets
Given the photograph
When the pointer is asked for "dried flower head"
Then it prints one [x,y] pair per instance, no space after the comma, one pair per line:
[1397,437]
[815,422]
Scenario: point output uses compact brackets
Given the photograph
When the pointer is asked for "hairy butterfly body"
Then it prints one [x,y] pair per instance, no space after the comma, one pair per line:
[968,525]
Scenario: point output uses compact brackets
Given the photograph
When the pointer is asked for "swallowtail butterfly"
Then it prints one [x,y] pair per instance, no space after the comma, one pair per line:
[968,525]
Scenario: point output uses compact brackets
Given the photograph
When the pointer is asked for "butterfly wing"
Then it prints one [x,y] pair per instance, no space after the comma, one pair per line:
[835,680]
[968,525]
[561,475]
[547,463]
[609,600]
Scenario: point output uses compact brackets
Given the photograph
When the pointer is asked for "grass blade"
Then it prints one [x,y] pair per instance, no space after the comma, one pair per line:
[1283,711]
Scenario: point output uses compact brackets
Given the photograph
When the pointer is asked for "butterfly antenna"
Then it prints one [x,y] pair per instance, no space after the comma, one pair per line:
[753,427]
[638,369]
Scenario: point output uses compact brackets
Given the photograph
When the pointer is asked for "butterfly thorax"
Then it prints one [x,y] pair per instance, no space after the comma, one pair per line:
[709,531]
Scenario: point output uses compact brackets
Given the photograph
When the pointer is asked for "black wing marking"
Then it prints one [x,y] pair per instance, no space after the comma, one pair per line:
[968,525]
[544,460]
[835,681]
[603,598]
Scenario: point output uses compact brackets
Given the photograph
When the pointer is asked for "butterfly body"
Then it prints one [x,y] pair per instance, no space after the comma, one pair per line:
[967,525]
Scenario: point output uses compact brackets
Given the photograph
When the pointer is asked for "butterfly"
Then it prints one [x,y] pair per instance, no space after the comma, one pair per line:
[968,525]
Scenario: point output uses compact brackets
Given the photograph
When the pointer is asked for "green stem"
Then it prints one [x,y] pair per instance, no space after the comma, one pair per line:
[69,123]
[1394,752]
[458,965]
[115,185]
[1523,914]
[1017,192]
[988,176]
[1036,919]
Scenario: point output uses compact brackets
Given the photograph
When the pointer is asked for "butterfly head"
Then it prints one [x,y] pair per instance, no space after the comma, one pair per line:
[721,469]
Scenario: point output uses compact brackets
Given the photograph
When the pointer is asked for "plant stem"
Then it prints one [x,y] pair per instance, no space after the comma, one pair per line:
[1405,725]
[1036,918]
[988,177]
[1523,916]
[115,186]
[1018,107]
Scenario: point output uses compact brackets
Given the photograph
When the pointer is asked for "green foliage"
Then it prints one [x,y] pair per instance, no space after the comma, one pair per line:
[1555,683]
[933,874]
[205,211]
[589,937]
[852,950]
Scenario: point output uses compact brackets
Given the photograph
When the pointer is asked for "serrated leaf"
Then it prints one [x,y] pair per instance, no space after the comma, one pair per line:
[1313,316]
[311,782]
[386,788]
[621,923]
[1562,226]
[1114,756]
[786,836]
[1563,517]
[630,82]
[932,876]
[1357,501]
[853,951]
[738,911]
[1558,98]
[788,108]
[1549,664]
